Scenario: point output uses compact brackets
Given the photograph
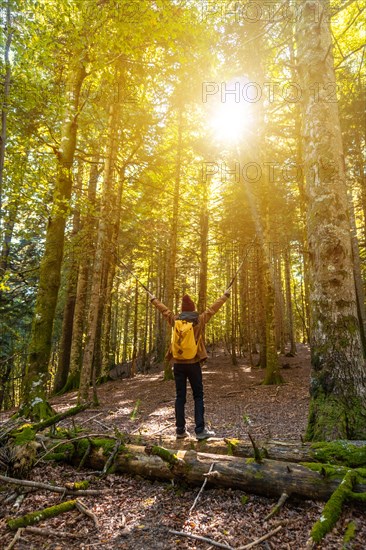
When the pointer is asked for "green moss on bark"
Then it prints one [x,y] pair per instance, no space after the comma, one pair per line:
[359,497]
[326,470]
[349,534]
[82,445]
[333,508]
[231,445]
[79,485]
[63,452]
[165,454]
[333,418]
[340,452]
[46,513]
[72,383]
[25,435]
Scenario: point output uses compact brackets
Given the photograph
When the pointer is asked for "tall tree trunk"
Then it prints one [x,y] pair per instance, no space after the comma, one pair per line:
[4,107]
[362,179]
[300,179]
[259,199]
[272,373]
[360,293]
[108,294]
[261,310]
[290,315]
[88,235]
[34,401]
[202,292]
[68,315]
[172,259]
[338,385]
[160,324]
[126,322]
[279,303]
[116,327]
[234,313]
[6,367]
[135,332]
[101,247]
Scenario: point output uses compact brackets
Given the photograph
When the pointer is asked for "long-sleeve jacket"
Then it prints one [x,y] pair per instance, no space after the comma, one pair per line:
[203,318]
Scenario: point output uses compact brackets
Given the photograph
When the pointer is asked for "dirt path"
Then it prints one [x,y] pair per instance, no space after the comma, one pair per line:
[234,401]
[136,514]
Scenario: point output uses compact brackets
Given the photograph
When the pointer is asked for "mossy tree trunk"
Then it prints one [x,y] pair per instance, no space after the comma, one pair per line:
[338,381]
[34,402]
[345,453]
[69,309]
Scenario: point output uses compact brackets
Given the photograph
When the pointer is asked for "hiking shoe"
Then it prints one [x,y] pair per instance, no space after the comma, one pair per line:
[183,435]
[205,434]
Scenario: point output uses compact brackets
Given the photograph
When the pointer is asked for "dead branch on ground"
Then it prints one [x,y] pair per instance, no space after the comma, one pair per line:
[47,487]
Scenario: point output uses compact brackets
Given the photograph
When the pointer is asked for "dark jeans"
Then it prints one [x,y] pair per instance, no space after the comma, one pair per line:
[194,374]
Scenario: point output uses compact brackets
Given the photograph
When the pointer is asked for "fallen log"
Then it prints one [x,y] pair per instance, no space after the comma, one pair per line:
[269,478]
[348,453]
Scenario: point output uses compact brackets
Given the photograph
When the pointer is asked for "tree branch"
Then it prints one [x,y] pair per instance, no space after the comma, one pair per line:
[47,487]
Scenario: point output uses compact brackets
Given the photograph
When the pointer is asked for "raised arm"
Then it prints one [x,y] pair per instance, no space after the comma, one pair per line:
[167,314]
[210,311]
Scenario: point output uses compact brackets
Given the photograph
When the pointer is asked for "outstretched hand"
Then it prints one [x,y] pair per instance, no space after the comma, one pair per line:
[151,296]
[227,292]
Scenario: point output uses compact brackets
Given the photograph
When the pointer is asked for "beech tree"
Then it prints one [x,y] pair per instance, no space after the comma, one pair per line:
[34,397]
[338,384]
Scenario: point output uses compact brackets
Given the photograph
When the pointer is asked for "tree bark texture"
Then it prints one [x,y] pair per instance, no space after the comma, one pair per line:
[269,478]
[348,453]
[338,380]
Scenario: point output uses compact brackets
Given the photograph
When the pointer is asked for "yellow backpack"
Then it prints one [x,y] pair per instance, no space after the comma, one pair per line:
[184,345]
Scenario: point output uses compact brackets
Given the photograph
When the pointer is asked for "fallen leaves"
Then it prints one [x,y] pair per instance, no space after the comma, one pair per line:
[135,514]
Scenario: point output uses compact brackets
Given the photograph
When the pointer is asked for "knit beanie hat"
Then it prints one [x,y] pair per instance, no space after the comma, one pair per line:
[187,304]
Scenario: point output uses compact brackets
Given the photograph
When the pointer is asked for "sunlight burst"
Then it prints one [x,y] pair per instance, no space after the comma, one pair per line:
[231,119]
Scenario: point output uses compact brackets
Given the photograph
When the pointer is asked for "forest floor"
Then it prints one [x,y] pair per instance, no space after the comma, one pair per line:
[137,514]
